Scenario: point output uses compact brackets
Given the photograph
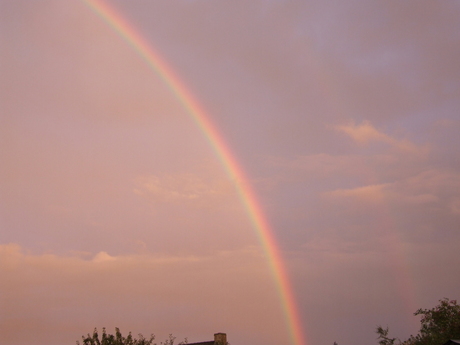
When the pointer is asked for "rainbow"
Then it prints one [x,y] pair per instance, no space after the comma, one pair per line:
[233,169]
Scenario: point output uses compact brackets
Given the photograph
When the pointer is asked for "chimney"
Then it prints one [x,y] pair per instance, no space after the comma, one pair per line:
[220,339]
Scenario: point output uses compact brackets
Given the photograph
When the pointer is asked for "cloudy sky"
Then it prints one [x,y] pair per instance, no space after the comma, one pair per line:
[116,211]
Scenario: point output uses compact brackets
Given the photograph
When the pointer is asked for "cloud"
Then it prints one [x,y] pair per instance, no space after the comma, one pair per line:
[432,186]
[371,193]
[50,299]
[422,208]
[87,123]
[183,187]
[363,133]
[103,257]
[344,170]
[366,133]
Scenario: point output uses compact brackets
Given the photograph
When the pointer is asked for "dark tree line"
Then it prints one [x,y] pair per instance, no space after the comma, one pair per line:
[119,339]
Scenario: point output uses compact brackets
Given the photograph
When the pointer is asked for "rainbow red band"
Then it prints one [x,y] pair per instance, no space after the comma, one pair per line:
[247,195]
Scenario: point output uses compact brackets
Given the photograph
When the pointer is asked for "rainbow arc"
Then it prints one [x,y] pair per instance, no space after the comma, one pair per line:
[221,149]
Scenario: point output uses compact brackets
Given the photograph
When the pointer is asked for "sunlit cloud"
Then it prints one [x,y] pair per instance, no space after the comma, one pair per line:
[115,210]
[372,193]
[103,257]
[221,291]
[181,187]
[187,189]
[366,133]
[431,186]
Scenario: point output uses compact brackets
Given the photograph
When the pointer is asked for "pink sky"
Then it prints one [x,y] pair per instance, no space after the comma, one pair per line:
[116,212]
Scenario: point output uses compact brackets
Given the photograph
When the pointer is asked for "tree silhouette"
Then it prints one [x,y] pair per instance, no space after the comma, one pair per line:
[438,325]
[119,339]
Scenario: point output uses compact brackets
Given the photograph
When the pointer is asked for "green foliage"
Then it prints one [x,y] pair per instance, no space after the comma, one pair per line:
[119,339]
[438,325]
